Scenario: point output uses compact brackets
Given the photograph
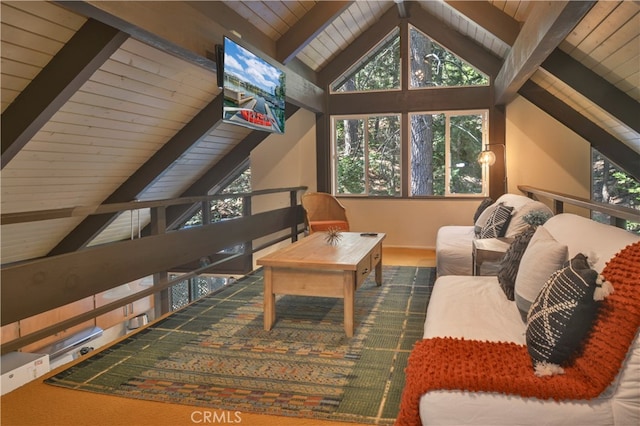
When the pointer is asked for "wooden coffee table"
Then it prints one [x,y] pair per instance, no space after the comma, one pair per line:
[312,267]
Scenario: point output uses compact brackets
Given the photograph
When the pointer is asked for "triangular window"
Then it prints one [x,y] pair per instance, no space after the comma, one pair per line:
[376,71]
[431,65]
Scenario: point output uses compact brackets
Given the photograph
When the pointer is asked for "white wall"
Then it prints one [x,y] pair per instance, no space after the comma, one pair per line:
[541,152]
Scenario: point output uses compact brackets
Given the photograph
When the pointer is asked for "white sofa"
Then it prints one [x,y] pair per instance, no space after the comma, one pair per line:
[454,242]
[474,308]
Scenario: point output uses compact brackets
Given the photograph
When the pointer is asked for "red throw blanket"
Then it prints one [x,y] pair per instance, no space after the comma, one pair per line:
[475,366]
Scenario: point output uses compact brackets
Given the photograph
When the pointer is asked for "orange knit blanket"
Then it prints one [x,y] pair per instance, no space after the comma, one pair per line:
[475,366]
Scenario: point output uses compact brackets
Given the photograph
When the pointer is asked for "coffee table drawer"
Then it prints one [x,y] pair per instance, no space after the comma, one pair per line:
[364,267]
[376,255]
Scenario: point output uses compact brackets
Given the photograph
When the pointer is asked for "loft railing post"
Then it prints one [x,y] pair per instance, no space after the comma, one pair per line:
[293,199]
[206,212]
[616,221]
[558,207]
[161,300]
[248,245]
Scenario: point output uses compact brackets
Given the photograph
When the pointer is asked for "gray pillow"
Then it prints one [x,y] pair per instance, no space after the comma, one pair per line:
[543,256]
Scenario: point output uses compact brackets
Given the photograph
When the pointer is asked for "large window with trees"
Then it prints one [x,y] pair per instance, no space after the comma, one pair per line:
[439,149]
[444,152]
[367,155]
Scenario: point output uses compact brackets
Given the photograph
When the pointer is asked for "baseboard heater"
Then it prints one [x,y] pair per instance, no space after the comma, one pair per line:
[63,346]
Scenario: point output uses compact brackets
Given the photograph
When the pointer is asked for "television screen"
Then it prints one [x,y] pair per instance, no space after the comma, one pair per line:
[254,90]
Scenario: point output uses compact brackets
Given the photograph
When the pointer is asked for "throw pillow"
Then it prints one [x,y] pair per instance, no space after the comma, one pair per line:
[483,205]
[562,315]
[510,263]
[497,223]
[543,256]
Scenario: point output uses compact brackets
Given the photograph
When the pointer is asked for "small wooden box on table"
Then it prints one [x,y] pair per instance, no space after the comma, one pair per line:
[313,267]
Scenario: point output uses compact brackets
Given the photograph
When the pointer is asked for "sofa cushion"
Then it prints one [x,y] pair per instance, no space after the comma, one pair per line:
[599,242]
[508,269]
[497,222]
[543,256]
[454,245]
[561,316]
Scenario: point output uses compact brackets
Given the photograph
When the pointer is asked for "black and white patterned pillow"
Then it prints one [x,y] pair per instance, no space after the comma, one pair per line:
[562,315]
[510,263]
[497,223]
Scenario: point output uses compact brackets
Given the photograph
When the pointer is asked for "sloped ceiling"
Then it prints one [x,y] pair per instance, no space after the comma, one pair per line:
[116,101]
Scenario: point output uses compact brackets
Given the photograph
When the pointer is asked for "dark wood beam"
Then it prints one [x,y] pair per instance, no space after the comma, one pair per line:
[449,98]
[459,44]
[221,170]
[547,25]
[625,157]
[307,28]
[359,47]
[490,18]
[36,286]
[199,127]
[67,71]
[595,88]
[190,30]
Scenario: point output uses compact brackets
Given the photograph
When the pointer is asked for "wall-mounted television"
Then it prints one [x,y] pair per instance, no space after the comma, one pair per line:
[254,90]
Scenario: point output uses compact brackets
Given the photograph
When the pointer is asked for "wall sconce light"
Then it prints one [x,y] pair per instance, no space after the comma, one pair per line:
[487,156]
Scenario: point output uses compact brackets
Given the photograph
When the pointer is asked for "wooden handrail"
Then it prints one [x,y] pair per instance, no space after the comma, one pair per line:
[82,211]
[616,212]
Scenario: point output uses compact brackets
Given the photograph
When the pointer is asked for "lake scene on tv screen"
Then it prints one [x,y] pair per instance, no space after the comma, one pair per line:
[254,90]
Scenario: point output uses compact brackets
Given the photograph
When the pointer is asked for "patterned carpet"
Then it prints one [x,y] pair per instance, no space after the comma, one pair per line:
[215,353]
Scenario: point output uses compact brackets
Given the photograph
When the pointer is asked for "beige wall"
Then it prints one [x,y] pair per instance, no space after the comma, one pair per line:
[540,152]
[284,161]
[543,153]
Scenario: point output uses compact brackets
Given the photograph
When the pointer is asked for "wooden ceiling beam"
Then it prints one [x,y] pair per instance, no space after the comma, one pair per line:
[595,88]
[221,170]
[67,71]
[199,127]
[307,28]
[547,25]
[614,149]
[190,30]
[490,18]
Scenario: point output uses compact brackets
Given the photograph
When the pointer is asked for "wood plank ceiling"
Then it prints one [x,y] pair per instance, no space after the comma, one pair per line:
[133,127]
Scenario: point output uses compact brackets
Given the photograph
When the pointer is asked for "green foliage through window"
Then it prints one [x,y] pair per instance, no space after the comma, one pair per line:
[368,162]
[378,70]
[610,184]
[431,65]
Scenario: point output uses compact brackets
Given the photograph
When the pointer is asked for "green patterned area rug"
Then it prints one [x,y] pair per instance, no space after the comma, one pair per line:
[215,353]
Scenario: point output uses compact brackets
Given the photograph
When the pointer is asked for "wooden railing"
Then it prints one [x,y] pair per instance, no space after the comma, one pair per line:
[39,285]
[619,215]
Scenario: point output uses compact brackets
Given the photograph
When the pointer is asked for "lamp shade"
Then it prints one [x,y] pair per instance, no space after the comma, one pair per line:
[487,157]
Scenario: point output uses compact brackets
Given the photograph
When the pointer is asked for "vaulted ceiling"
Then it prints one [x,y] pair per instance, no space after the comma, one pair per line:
[107,102]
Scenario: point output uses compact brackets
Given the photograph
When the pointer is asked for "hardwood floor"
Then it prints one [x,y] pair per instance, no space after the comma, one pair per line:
[39,404]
